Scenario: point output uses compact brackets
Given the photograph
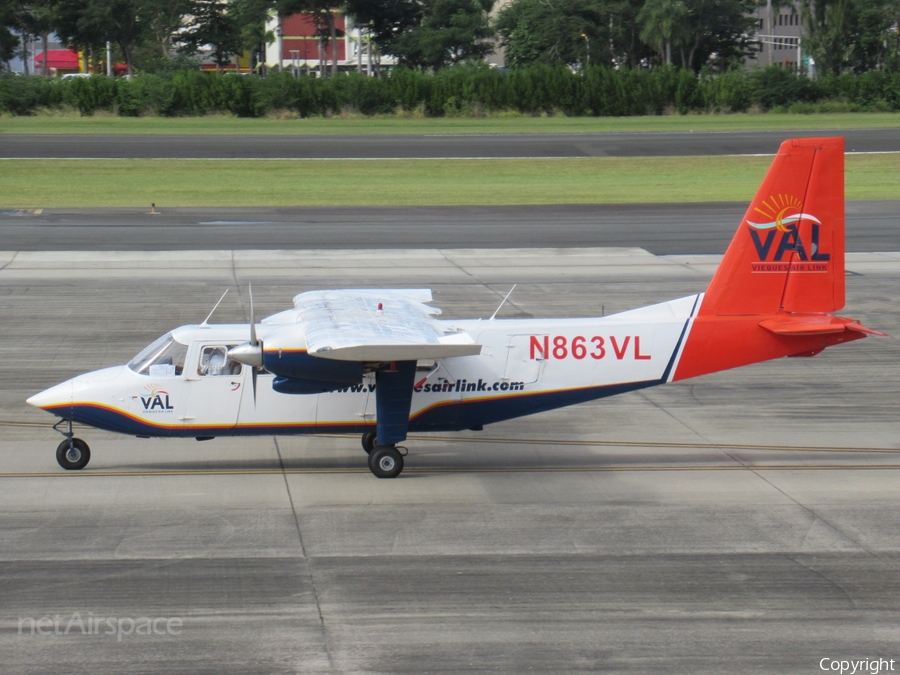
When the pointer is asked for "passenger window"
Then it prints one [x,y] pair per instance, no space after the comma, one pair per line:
[214,361]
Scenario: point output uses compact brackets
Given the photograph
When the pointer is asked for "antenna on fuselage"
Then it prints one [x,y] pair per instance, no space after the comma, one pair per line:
[503,302]
[206,320]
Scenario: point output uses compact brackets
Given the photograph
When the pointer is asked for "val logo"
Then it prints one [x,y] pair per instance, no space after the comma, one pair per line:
[780,233]
[156,400]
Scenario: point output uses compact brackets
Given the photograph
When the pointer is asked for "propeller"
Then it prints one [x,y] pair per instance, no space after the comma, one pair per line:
[250,353]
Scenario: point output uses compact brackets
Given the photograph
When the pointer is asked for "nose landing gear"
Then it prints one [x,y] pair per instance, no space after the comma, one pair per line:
[73,453]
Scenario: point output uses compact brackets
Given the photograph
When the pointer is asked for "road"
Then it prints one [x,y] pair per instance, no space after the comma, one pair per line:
[425,146]
[744,522]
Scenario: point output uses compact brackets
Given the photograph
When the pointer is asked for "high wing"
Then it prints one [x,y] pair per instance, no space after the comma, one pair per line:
[371,325]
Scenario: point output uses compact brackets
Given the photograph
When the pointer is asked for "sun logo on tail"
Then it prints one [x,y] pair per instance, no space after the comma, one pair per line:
[776,211]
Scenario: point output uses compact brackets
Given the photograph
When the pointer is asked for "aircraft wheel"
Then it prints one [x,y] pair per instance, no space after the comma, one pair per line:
[75,457]
[385,461]
[368,441]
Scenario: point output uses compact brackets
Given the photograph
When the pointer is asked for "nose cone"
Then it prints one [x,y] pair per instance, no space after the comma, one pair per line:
[104,376]
[84,387]
[60,395]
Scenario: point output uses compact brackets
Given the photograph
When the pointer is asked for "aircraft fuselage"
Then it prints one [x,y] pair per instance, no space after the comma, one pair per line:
[525,366]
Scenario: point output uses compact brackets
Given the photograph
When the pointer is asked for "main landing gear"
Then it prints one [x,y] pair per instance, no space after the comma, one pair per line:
[73,453]
[394,384]
[385,461]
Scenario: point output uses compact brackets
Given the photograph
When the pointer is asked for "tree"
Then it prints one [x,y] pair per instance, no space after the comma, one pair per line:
[251,17]
[451,31]
[873,36]
[555,32]
[213,23]
[695,30]
[164,18]
[385,19]
[9,41]
[857,34]
[30,19]
[664,25]
[45,11]
[720,27]
[827,25]
[322,15]
[95,22]
[625,32]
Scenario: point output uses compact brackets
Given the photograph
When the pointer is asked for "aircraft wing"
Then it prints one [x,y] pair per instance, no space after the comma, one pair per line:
[378,325]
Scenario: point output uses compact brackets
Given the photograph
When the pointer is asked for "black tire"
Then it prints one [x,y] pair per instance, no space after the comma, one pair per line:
[78,458]
[368,441]
[385,462]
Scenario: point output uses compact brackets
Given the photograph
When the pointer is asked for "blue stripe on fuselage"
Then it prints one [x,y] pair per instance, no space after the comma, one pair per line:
[448,417]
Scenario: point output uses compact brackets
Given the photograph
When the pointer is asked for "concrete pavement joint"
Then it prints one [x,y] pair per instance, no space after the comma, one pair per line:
[816,516]
[306,560]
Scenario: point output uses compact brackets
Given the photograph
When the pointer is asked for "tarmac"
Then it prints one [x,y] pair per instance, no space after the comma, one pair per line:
[743,522]
[663,229]
[409,146]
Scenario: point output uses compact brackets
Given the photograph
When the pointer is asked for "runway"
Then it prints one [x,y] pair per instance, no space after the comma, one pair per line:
[742,522]
[147,146]
[663,229]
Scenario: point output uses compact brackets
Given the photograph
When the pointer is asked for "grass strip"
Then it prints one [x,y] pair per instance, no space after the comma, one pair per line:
[590,180]
[517,124]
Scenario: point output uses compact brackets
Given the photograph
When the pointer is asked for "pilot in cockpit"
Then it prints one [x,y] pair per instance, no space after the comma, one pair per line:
[214,361]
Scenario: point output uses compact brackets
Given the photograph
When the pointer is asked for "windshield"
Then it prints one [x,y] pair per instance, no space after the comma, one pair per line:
[165,357]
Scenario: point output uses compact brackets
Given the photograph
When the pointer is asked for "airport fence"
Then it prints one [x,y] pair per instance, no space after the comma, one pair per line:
[458,91]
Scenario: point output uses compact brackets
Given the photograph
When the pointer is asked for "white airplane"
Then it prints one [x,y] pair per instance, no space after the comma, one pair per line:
[378,363]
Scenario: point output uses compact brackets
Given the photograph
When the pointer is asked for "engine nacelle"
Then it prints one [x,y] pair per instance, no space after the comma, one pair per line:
[300,366]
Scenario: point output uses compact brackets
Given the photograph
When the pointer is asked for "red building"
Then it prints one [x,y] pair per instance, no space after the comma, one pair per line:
[300,39]
[297,44]
[60,61]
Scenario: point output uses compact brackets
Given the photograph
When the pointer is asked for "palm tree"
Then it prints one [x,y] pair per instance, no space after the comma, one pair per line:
[663,22]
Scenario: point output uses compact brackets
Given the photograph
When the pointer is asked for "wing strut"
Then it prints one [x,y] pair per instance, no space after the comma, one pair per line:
[393,397]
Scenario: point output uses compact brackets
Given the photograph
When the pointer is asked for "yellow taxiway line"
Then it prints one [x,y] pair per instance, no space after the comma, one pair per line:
[576,443]
[87,473]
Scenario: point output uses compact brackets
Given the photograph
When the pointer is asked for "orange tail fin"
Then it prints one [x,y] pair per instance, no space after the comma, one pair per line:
[783,272]
[788,252]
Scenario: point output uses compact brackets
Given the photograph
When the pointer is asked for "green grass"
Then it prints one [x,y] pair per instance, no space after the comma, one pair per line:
[169,183]
[74,124]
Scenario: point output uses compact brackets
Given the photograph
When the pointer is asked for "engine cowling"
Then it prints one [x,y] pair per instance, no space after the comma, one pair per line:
[300,366]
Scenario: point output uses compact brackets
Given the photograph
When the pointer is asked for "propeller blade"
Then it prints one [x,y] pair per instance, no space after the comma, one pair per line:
[250,353]
[253,340]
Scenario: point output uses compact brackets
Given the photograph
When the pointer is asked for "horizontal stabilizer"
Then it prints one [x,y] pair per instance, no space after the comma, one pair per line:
[813,324]
[859,328]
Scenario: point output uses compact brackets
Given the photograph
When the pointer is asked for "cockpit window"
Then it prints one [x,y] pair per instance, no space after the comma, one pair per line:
[164,358]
